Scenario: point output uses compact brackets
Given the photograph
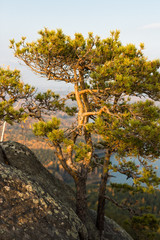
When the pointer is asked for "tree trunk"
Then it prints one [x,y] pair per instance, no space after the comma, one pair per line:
[81,198]
[81,195]
[101,204]
[101,196]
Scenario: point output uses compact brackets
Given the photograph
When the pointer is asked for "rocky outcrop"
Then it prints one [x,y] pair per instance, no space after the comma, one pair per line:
[35,205]
[28,212]
[22,158]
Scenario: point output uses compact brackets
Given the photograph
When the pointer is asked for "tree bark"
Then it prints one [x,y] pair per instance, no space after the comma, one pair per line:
[101,196]
[81,197]
[101,204]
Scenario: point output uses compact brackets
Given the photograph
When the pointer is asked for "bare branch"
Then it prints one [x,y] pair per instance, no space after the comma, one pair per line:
[130,210]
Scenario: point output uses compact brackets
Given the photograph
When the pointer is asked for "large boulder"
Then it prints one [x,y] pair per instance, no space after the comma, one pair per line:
[28,212]
[36,205]
[22,158]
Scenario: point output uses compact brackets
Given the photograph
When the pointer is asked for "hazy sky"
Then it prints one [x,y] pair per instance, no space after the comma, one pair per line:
[138,21]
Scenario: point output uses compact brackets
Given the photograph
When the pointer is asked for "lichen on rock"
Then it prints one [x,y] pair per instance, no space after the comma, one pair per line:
[25,216]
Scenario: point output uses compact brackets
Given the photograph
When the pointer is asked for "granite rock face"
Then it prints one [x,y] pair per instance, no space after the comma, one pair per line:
[35,205]
[22,158]
[28,212]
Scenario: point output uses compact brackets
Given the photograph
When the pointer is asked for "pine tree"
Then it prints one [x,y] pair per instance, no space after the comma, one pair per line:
[107,77]
[12,92]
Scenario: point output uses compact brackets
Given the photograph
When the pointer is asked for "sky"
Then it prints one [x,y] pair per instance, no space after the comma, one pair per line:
[138,21]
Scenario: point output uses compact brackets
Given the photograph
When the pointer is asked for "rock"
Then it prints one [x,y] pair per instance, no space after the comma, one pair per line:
[22,158]
[28,212]
[112,230]
[36,205]
[2,156]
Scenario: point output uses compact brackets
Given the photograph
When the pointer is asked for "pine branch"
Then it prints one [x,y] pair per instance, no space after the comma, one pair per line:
[130,210]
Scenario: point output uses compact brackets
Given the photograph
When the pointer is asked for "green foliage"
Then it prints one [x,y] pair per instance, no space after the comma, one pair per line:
[83,151]
[49,99]
[71,111]
[55,54]
[49,129]
[144,227]
[127,69]
[128,132]
[12,90]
